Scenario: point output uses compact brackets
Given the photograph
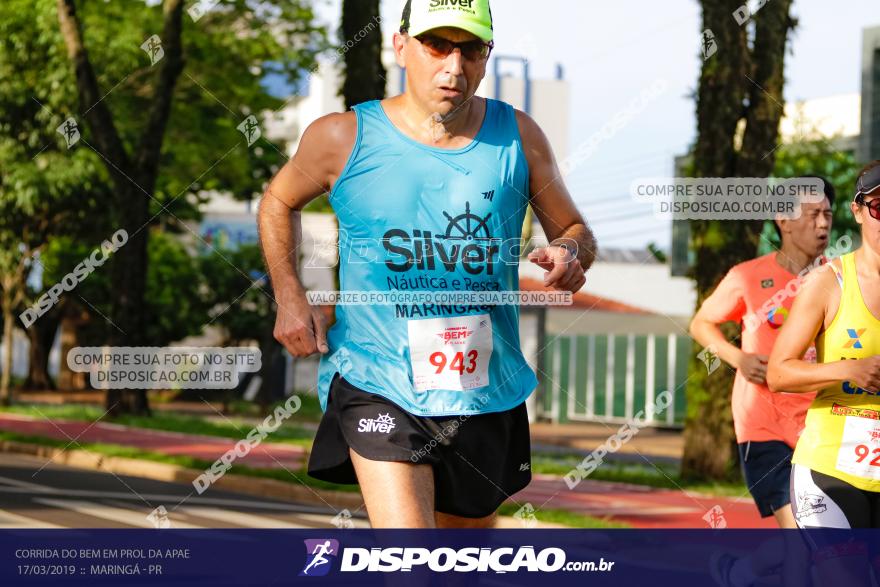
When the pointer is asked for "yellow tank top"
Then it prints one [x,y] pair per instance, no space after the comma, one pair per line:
[842,433]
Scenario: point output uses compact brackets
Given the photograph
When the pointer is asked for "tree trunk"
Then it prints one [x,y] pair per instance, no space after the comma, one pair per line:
[362,36]
[41,336]
[737,84]
[129,278]
[757,158]
[270,349]
[134,178]
[71,320]
[6,376]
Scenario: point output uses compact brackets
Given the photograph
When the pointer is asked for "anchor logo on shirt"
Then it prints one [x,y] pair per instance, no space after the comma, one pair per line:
[467,241]
[467,226]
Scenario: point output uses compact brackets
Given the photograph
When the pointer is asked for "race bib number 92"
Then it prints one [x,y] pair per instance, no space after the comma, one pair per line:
[451,352]
[859,452]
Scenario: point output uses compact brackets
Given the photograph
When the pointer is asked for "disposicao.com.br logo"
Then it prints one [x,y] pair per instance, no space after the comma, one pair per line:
[440,560]
[319,554]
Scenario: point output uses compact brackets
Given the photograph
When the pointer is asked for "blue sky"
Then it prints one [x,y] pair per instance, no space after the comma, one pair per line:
[612,51]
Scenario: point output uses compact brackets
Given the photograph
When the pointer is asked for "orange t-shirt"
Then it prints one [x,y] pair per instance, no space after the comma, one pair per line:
[759,294]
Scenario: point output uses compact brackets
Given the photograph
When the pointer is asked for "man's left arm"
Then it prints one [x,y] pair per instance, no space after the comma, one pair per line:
[572,246]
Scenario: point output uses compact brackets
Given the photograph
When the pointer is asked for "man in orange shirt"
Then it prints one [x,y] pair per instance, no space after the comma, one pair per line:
[759,294]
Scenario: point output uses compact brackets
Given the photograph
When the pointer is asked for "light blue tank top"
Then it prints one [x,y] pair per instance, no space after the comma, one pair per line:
[418,218]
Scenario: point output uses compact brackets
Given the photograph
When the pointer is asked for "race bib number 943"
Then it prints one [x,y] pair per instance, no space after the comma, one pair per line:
[450,353]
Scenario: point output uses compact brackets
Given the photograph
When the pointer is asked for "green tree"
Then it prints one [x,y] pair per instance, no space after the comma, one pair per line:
[237,292]
[173,302]
[165,119]
[739,105]
[42,195]
[46,189]
[819,156]
[240,299]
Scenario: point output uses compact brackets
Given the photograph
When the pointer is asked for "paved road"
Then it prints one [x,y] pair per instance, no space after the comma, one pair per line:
[34,494]
[640,506]
[65,497]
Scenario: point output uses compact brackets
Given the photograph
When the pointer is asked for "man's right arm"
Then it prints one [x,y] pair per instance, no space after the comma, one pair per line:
[323,151]
[726,304]
[709,335]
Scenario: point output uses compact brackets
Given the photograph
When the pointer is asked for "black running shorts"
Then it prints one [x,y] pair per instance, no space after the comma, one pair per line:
[766,467]
[478,461]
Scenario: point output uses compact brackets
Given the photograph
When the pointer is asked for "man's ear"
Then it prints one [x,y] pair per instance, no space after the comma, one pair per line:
[399,43]
[780,223]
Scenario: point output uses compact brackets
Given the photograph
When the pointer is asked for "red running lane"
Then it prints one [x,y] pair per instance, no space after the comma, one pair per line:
[640,506]
[208,448]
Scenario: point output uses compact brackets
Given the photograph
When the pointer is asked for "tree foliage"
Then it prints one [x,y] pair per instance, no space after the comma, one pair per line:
[155,135]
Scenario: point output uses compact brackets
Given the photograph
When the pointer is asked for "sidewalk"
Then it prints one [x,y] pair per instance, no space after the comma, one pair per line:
[657,445]
[640,506]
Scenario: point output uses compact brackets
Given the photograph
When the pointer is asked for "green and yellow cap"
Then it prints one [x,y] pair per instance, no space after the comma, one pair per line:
[473,16]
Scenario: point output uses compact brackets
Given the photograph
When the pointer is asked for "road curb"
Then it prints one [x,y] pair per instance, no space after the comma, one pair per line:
[269,488]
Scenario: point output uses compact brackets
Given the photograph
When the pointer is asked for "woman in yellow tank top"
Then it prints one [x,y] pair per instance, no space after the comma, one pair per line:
[835,481]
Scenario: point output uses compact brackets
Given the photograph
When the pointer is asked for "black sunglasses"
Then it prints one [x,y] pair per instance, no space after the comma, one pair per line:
[873,206]
[441,48]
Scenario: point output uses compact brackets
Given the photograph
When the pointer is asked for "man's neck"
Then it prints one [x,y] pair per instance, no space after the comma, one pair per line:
[793,259]
[430,126]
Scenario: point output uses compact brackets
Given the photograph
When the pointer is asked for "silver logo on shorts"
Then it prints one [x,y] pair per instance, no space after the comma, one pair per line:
[383,423]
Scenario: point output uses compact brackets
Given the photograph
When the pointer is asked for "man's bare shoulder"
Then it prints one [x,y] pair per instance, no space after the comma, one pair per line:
[326,145]
[528,127]
[535,143]
[331,132]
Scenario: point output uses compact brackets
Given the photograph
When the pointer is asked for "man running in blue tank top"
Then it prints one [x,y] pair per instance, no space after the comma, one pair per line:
[424,400]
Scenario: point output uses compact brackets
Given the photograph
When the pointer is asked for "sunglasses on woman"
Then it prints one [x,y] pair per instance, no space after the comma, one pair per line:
[441,48]
[867,183]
